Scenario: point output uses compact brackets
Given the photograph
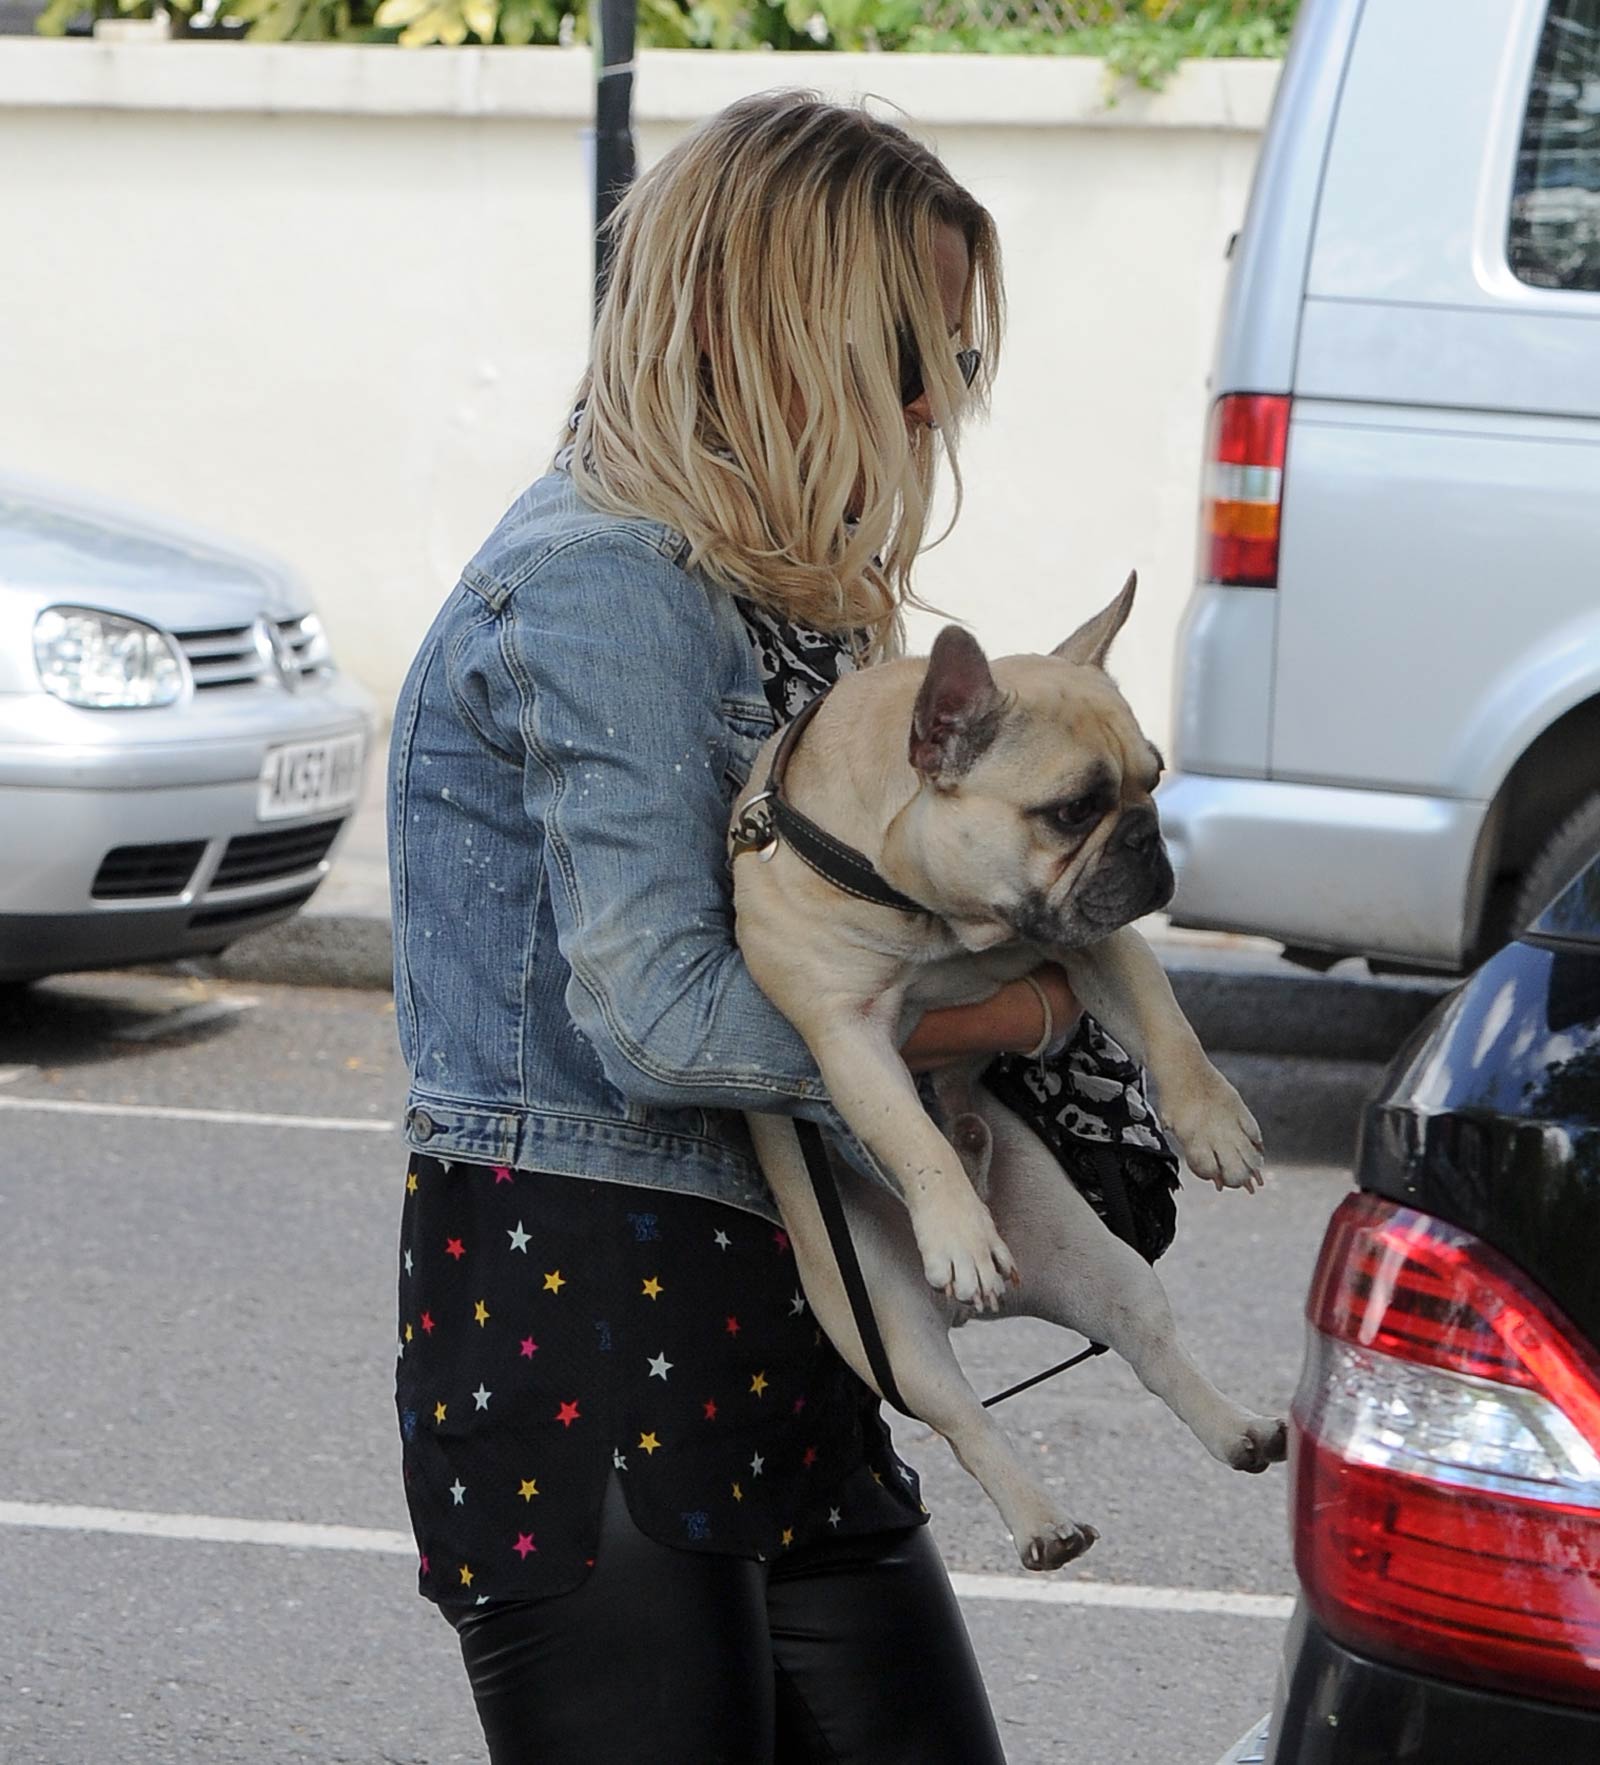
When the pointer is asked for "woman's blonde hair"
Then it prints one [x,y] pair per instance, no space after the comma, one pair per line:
[770,273]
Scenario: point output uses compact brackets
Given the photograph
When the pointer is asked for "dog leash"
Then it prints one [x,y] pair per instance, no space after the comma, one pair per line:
[831,1207]
[844,1254]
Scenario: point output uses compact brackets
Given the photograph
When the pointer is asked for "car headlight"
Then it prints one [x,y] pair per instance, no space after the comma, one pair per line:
[104,661]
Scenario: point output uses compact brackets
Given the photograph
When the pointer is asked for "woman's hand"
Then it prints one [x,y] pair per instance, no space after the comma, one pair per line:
[1010,1021]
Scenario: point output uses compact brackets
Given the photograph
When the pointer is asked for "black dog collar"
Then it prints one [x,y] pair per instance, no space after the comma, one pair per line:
[769,819]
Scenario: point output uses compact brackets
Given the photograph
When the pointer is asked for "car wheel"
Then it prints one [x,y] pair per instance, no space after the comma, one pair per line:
[1563,854]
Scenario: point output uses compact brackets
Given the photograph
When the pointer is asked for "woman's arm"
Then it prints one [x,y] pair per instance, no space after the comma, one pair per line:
[596,668]
[1010,1021]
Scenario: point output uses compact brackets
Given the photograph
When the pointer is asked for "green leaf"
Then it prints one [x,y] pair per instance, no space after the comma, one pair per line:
[400,12]
[482,18]
[55,18]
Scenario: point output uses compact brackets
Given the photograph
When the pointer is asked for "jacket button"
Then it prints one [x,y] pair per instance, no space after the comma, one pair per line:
[421,1124]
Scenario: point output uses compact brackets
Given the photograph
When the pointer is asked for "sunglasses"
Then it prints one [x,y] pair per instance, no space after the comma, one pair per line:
[911,381]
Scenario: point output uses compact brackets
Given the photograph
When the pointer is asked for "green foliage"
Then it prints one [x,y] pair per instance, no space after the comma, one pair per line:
[1142,41]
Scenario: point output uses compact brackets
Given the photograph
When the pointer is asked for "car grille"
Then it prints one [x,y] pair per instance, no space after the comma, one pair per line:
[130,872]
[307,645]
[229,656]
[265,857]
[239,912]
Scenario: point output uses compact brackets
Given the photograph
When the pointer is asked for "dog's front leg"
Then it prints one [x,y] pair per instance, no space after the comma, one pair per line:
[1122,985]
[962,1253]
[915,1326]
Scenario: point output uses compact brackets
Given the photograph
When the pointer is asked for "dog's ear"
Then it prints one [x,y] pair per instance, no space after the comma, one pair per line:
[958,709]
[1090,643]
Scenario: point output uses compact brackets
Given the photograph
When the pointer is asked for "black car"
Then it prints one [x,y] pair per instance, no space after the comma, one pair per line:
[1445,1458]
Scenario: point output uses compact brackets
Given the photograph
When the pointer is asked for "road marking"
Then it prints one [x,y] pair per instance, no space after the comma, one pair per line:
[10,1074]
[304,1535]
[236,1118]
[172,1023]
[206,1528]
[1125,1596]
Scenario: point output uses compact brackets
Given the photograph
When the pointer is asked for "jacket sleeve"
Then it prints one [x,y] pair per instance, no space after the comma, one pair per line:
[608,653]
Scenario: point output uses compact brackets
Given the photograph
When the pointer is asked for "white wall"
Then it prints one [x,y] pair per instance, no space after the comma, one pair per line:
[333,300]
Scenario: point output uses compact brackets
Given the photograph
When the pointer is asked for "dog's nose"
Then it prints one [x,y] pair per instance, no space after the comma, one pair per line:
[1138,831]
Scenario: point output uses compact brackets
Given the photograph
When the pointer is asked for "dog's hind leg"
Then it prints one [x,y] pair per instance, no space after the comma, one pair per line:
[1076,1272]
[915,1326]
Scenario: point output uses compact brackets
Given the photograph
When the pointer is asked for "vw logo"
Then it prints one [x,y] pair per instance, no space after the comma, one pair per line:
[275,648]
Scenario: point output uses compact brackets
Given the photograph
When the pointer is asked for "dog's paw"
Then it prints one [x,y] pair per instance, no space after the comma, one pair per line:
[1219,1138]
[1056,1545]
[1264,1442]
[965,1258]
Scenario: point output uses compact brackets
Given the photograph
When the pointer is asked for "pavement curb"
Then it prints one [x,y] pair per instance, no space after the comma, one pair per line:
[1238,1003]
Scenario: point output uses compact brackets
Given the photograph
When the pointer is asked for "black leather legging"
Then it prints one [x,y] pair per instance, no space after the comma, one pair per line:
[851,1653]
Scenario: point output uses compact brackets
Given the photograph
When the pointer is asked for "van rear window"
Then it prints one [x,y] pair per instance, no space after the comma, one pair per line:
[1555,208]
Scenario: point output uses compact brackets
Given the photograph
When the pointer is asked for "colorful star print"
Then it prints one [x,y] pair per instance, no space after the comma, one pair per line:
[663,1331]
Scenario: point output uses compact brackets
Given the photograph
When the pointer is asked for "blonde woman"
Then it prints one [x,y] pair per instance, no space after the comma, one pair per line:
[665,1519]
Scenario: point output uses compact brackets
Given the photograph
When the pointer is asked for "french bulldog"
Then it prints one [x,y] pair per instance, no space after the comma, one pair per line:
[1012,804]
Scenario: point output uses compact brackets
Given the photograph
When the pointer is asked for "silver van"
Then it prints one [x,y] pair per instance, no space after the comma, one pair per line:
[1387,737]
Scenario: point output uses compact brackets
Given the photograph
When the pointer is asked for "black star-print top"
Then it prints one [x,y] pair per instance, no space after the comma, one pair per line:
[556,1331]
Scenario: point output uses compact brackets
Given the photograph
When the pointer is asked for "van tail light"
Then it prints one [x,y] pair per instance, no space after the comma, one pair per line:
[1244,490]
[1446,1460]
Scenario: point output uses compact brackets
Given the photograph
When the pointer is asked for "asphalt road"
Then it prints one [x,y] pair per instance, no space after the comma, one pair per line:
[197,1307]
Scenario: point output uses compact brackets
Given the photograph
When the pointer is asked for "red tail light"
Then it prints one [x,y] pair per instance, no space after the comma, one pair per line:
[1244,490]
[1447,1460]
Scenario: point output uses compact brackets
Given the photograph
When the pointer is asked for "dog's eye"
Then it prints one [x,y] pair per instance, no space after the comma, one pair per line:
[1077,813]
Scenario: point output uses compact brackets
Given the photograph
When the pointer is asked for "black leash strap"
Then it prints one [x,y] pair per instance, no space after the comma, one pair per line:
[855,1286]
[844,1253]
[1083,1354]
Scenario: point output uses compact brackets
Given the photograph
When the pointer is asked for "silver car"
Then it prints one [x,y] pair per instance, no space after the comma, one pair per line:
[178,753]
[1388,729]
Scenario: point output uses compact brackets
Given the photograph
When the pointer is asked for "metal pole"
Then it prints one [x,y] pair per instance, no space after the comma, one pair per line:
[614,158]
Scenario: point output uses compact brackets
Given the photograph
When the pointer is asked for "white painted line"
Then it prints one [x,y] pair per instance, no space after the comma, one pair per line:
[206,1528]
[237,1118]
[1124,1596]
[172,1023]
[301,1535]
[10,1074]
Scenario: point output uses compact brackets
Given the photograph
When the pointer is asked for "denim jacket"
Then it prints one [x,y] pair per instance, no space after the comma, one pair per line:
[566,749]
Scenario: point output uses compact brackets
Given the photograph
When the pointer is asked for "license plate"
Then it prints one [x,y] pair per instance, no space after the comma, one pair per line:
[309,776]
